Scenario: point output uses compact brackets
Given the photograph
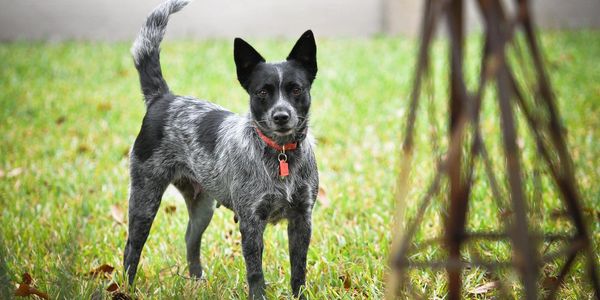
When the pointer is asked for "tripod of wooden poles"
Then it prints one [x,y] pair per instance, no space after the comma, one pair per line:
[466,146]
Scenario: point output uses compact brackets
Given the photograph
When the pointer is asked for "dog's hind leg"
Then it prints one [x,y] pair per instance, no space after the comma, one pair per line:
[200,209]
[144,200]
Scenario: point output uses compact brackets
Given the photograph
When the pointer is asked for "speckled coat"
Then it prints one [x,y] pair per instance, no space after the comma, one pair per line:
[215,157]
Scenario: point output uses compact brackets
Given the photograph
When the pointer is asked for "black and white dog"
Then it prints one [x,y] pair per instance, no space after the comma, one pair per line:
[260,165]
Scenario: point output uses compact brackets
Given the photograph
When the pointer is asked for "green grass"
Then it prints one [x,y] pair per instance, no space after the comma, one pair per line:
[69,113]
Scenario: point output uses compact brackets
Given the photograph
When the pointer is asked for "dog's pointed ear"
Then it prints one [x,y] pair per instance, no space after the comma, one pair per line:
[246,58]
[305,53]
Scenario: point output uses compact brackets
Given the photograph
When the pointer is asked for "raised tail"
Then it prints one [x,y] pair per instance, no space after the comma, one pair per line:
[146,49]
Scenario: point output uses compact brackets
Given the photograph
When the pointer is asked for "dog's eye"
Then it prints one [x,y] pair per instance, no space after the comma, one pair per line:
[296,91]
[262,93]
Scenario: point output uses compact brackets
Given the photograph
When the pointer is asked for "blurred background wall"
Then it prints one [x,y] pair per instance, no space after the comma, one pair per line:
[120,19]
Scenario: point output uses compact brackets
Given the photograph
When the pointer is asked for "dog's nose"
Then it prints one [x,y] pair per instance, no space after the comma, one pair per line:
[281,117]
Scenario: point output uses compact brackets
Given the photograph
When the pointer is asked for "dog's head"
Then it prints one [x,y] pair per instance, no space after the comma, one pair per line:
[279,92]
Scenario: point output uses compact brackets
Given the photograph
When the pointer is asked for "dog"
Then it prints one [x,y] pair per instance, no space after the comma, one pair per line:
[260,165]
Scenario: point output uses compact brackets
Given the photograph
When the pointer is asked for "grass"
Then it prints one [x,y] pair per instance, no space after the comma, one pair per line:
[69,113]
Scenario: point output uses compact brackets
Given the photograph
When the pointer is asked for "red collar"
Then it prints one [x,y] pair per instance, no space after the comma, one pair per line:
[271,143]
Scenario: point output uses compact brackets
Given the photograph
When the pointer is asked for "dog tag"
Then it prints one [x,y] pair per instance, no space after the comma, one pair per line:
[283,168]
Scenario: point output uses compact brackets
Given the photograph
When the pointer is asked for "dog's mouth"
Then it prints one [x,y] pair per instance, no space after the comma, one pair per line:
[282,134]
[283,131]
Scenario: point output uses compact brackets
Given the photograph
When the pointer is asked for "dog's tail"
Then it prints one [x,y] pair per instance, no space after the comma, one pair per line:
[146,49]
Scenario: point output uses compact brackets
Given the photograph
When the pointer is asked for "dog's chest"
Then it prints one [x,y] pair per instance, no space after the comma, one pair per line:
[275,204]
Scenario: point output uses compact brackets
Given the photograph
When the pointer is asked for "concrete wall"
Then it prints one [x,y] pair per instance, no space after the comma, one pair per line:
[121,19]
[404,16]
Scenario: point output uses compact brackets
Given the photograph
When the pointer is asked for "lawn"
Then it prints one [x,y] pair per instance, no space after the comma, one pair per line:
[70,111]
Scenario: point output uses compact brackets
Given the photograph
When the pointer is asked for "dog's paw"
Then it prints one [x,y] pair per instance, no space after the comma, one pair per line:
[196,272]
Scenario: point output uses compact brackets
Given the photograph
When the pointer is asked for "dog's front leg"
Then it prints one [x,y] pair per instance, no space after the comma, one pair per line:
[299,231]
[252,230]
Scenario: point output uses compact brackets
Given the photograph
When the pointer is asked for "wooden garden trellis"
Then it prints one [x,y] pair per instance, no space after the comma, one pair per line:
[457,165]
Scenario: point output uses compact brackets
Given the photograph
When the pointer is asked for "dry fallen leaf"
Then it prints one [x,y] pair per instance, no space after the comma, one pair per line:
[24,289]
[485,288]
[103,270]
[170,209]
[83,148]
[549,282]
[117,213]
[322,197]
[113,287]
[26,279]
[60,120]
[346,280]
